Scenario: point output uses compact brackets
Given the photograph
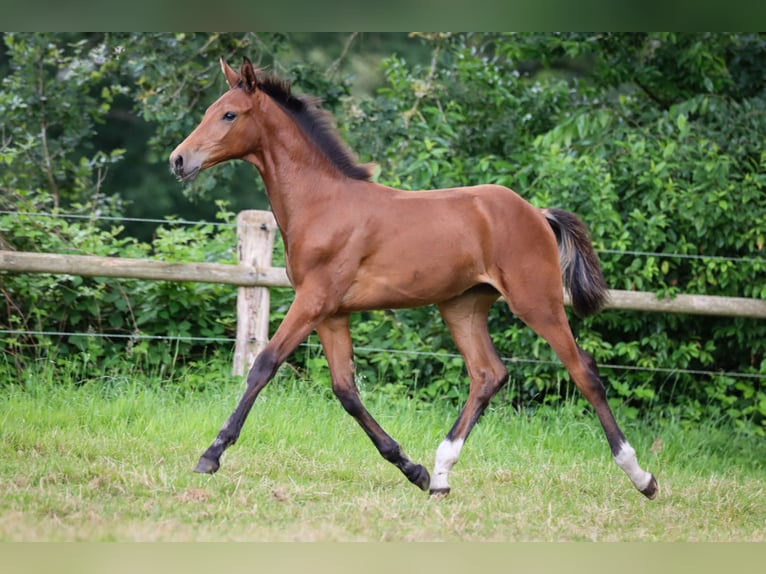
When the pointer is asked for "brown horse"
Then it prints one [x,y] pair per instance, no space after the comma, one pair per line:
[354,245]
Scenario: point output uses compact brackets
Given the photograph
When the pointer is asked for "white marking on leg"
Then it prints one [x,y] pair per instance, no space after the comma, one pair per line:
[626,460]
[446,457]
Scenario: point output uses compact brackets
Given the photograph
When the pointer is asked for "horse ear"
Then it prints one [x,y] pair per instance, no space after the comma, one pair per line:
[231,76]
[249,76]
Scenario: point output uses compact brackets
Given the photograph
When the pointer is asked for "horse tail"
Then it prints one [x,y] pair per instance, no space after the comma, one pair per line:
[580,266]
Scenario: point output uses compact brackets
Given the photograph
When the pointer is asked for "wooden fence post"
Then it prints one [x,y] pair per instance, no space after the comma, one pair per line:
[256,231]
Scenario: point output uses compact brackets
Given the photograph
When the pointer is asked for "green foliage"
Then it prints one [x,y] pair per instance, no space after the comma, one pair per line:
[58,91]
[655,140]
[148,322]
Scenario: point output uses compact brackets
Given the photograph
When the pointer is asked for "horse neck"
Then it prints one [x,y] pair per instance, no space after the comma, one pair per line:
[295,172]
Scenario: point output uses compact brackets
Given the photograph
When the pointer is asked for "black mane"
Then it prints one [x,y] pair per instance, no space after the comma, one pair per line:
[316,123]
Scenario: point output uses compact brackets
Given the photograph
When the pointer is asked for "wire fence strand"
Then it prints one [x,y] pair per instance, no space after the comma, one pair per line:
[635,253]
[408,352]
[117,218]
[683,256]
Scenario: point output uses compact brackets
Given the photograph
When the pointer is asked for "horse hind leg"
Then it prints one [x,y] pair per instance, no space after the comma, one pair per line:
[466,317]
[623,453]
[554,328]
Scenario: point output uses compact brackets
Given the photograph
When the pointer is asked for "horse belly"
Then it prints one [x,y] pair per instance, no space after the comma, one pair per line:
[428,247]
[402,284]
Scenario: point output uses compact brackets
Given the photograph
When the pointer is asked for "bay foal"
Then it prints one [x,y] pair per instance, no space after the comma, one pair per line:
[354,245]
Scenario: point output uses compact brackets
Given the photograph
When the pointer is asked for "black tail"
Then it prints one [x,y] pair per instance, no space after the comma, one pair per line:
[579,263]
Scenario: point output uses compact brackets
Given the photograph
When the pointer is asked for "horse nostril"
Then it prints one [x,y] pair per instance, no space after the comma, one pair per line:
[178,164]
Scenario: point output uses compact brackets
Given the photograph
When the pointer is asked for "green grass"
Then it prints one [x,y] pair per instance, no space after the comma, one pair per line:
[111,460]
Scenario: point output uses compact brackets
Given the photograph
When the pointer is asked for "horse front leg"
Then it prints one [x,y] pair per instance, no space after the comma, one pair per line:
[336,340]
[299,322]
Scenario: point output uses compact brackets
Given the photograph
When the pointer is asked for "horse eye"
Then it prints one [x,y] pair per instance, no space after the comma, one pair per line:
[229,116]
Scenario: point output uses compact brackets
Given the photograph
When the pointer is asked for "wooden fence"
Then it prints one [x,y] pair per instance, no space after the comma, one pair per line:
[254,276]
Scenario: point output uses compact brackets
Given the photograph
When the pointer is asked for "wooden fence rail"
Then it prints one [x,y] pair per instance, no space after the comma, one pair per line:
[254,276]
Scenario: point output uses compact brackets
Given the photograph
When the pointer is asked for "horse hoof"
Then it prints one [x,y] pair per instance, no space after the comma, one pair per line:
[420,477]
[651,491]
[207,466]
[437,493]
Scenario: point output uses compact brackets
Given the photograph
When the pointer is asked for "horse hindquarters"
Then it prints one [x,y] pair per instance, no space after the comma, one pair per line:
[536,298]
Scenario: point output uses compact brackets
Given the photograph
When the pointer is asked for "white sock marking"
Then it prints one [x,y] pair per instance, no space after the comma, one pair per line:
[626,460]
[446,457]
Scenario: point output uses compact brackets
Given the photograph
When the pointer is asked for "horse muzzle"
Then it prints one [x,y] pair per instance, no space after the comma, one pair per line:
[181,167]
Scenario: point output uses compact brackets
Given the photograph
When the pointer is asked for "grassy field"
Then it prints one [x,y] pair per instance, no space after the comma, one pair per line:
[111,459]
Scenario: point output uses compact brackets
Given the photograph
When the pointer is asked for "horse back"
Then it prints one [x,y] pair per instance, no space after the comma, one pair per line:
[417,248]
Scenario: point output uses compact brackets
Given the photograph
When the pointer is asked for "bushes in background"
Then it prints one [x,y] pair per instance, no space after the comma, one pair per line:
[655,140]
